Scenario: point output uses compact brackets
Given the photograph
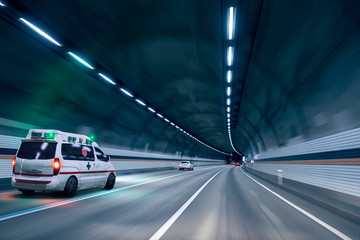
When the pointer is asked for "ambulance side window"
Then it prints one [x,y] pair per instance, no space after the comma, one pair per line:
[100,155]
[77,152]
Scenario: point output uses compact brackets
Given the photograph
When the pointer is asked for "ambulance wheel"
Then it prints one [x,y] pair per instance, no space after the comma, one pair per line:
[27,191]
[110,182]
[70,187]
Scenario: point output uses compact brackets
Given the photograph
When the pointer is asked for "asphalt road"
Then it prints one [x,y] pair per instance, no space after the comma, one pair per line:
[208,203]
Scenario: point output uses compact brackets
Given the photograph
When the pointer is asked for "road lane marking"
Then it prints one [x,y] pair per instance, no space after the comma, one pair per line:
[322,223]
[77,199]
[171,220]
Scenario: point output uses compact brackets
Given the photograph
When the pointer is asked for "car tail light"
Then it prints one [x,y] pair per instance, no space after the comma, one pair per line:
[13,164]
[56,166]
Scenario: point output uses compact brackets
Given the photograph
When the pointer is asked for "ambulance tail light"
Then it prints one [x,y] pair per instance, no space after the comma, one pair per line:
[56,166]
[13,164]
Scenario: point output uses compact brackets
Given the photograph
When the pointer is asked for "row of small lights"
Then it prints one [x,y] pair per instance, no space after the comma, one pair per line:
[105,77]
[230,67]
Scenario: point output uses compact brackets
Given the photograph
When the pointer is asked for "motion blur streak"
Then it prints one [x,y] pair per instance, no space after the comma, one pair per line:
[231,206]
[325,225]
[170,222]
[36,209]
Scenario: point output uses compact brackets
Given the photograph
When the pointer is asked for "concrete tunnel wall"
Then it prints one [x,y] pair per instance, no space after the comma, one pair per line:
[298,113]
[302,80]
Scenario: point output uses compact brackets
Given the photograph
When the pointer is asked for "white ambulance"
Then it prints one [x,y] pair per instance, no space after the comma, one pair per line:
[51,160]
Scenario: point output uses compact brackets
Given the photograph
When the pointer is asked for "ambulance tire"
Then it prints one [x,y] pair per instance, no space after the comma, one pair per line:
[110,181]
[70,187]
[27,191]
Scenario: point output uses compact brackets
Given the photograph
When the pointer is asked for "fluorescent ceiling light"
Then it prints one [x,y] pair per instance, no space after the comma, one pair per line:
[228,120]
[106,78]
[172,124]
[38,30]
[151,110]
[230,54]
[159,115]
[126,92]
[229,76]
[1,4]
[231,23]
[177,127]
[166,120]
[228,109]
[228,115]
[228,101]
[80,60]
[228,91]
[140,102]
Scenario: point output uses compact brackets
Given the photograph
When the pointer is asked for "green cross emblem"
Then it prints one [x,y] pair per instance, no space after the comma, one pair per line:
[88,166]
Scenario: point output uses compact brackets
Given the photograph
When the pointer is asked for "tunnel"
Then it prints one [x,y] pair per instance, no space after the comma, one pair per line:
[257,99]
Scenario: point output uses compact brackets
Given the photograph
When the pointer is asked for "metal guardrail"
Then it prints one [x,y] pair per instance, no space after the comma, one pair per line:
[341,178]
[340,141]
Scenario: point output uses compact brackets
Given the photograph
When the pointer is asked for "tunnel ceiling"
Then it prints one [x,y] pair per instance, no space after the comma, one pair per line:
[295,71]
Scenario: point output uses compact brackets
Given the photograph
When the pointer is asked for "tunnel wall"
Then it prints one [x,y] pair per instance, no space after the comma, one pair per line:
[331,162]
[121,159]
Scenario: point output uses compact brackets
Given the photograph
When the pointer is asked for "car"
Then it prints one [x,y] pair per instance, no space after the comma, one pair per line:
[186,165]
[52,160]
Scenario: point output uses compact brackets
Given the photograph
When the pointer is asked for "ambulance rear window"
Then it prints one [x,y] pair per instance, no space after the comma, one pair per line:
[77,152]
[37,150]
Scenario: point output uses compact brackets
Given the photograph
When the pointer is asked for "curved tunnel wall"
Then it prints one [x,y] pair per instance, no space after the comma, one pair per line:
[302,81]
[299,111]
[43,90]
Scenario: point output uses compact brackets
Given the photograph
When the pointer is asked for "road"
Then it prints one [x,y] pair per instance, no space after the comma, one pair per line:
[208,203]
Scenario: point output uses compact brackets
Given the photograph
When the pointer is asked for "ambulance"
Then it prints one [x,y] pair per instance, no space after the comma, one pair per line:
[51,160]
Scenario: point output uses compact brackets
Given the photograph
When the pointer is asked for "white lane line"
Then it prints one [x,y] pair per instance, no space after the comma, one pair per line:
[61,203]
[322,223]
[171,220]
